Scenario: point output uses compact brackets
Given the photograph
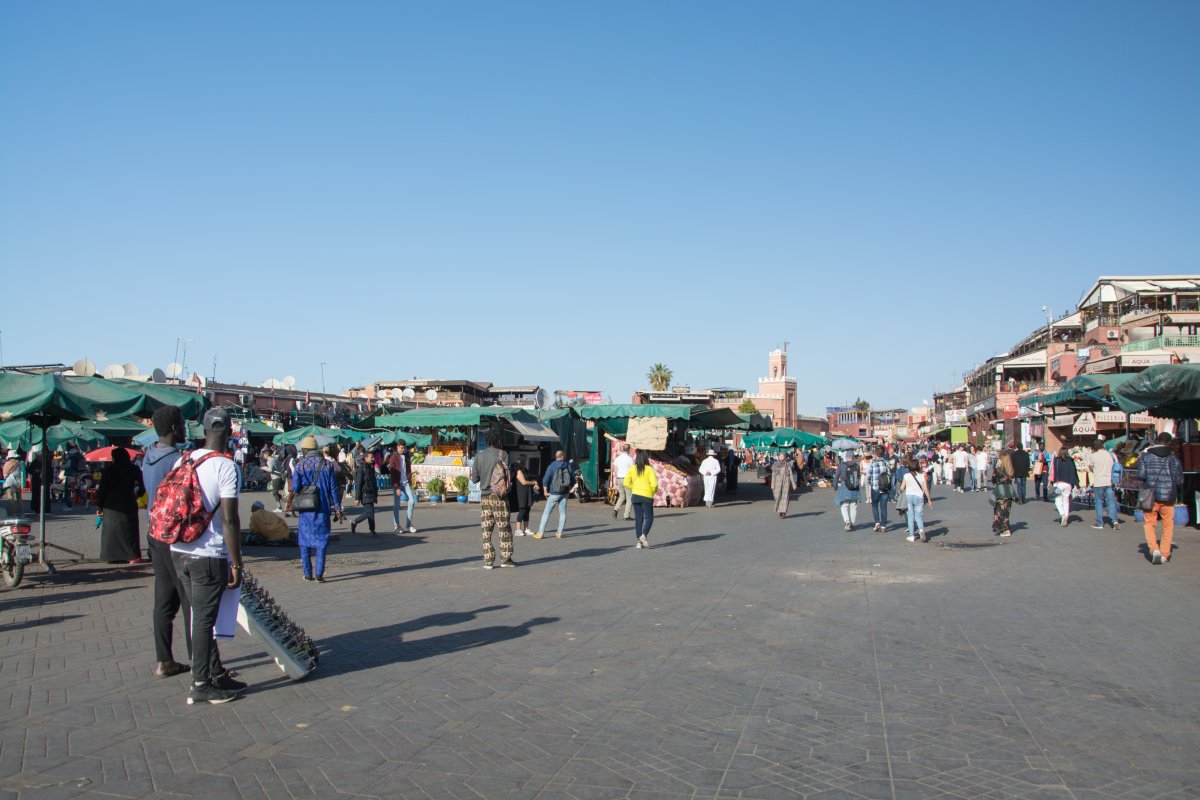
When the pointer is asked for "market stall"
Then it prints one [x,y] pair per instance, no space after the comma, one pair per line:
[660,429]
[456,433]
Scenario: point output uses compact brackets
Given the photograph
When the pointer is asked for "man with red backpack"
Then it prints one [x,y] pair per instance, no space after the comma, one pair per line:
[211,562]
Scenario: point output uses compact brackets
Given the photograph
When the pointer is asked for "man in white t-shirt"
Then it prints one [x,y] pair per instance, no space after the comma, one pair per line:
[213,562]
[981,467]
[962,459]
[621,465]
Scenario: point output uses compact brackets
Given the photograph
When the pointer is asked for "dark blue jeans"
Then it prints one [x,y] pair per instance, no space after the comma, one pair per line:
[1020,488]
[643,518]
[879,501]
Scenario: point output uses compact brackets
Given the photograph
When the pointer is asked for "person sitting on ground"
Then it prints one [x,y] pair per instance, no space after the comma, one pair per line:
[267,527]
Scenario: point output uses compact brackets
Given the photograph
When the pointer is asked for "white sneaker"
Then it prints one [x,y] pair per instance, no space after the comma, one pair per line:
[518,533]
[639,544]
[644,542]
[1156,557]
[910,538]
[411,529]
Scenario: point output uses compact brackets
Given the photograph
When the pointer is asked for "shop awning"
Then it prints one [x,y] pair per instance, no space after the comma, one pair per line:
[1035,359]
[785,438]
[1087,393]
[79,398]
[631,410]
[754,422]
[342,435]
[446,417]
[714,419]
[534,431]
[256,428]
[1170,390]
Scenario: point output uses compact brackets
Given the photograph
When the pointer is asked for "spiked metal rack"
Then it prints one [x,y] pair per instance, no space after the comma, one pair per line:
[285,641]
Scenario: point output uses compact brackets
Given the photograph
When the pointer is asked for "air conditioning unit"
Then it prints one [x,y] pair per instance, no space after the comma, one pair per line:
[1112,336]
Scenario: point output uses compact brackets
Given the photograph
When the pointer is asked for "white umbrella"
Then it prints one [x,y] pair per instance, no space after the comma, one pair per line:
[846,444]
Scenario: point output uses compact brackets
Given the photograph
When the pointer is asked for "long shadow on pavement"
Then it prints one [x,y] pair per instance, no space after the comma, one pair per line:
[376,647]
[588,553]
[444,562]
[688,540]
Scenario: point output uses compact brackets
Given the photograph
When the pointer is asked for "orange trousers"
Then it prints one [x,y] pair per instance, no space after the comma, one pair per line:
[1165,512]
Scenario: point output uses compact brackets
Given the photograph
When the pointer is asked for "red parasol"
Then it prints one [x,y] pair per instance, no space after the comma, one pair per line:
[105,454]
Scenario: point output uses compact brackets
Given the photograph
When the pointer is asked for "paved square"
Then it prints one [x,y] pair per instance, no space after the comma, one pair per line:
[743,656]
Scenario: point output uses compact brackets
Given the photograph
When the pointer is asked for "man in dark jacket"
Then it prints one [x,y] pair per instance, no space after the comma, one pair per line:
[168,591]
[366,491]
[1020,462]
[1159,470]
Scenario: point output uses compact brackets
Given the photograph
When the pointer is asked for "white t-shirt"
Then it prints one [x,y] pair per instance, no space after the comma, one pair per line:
[913,486]
[962,459]
[981,460]
[218,481]
[621,465]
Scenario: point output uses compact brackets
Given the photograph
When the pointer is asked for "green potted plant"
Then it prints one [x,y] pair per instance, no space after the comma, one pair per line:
[461,484]
[435,488]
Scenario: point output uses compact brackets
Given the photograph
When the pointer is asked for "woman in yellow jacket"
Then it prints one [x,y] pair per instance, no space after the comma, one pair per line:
[642,484]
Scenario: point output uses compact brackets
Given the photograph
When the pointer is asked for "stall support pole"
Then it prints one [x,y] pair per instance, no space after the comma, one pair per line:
[45,423]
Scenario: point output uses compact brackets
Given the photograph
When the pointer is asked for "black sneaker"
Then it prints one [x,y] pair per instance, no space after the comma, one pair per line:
[228,683]
[207,693]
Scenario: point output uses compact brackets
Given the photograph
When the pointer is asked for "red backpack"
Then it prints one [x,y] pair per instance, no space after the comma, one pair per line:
[178,514]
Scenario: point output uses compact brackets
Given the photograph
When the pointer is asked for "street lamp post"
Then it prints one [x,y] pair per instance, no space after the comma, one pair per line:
[322,377]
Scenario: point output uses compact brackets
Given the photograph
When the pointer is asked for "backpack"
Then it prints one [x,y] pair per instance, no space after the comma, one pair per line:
[852,476]
[500,481]
[560,482]
[178,514]
[885,482]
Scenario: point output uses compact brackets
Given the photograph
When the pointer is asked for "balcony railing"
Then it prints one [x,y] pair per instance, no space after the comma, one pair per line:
[1161,343]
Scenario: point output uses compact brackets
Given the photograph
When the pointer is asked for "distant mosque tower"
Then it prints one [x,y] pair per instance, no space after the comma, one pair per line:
[777,393]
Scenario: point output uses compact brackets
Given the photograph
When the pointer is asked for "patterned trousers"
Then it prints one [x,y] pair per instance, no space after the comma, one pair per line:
[493,515]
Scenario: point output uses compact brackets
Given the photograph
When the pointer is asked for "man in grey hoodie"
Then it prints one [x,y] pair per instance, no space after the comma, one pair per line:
[168,591]
[1160,471]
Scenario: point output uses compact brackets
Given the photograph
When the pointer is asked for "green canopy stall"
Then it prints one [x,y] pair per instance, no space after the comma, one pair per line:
[47,400]
[343,436]
[784,439]
[613,419]
[1168,390]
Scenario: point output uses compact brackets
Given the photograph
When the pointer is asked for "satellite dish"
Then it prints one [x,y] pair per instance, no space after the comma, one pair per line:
[431,395]
[131,369]
[288,383]
[84,368]
[114,371]
[174,369]
[541,399]
[409,394]
[158,376]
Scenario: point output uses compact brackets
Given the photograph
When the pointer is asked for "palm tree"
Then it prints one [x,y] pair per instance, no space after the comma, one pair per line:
[660,376]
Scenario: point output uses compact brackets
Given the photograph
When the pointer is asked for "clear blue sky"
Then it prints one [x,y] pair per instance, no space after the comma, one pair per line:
[563,193]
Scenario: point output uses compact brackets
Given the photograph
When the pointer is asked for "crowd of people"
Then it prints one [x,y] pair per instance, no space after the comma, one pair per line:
[314,484]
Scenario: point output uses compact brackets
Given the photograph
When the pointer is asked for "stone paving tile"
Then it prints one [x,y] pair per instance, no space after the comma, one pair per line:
[742,657]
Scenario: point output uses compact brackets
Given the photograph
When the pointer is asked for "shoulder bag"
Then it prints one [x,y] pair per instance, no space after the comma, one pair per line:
[309,497]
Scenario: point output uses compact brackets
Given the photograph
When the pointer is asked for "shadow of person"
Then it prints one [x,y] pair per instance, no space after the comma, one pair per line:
[587,553]
[363,573]
[689,540]
[376,647]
